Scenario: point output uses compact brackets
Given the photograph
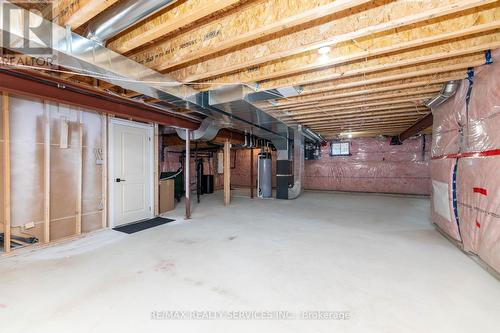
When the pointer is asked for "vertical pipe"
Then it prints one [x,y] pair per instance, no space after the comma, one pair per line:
[6,168]
[46,180]
[252,180]
[187,180]
[227,173]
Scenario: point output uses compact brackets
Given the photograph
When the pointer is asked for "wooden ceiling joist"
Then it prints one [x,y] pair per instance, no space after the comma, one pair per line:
[181,16]
[340,135]
[347,129]
[399,88]
[327,114]
[367,124]
[258,20]
[453,53]
[419,82]
[371,112]
[75,13]
[380,61]
[292,58]
[331,112]
[409,101]
[453,71]
[365,116]
[379,130]
[360,134]
[386,121]
[348,100]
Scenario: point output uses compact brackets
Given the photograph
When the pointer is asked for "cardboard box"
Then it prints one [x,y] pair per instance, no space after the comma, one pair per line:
[166,195]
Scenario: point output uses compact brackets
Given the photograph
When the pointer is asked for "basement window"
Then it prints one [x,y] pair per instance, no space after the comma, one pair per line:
[340,148]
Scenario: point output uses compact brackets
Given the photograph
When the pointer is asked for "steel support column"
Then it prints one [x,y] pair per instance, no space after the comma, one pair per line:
[187,179]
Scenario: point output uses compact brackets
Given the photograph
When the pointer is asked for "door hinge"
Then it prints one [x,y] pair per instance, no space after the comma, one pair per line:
[149,208]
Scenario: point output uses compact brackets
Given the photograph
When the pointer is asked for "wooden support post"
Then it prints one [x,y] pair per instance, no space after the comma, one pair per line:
[46,178]
[227,173]
[156,171]
[80,176]
[187,179]
[252,179]
[6,170]
[104,171]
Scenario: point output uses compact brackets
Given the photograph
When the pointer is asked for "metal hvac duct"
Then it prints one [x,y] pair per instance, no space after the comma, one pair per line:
[122,16]
[449,89]
[206,132]
[236,102]
[298,164]
[89,57]
[230,106]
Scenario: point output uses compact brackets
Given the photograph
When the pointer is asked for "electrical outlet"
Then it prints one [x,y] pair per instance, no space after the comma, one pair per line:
[29,225]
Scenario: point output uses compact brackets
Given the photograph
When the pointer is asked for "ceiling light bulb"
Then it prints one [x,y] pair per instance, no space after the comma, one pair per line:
[349,135]
[324,50]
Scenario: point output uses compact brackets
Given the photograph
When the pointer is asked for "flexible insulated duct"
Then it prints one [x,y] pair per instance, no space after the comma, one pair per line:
[449,89]
[122,16]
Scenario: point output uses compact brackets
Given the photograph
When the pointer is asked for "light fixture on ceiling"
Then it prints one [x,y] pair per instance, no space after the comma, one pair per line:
[349,135]
[324,50]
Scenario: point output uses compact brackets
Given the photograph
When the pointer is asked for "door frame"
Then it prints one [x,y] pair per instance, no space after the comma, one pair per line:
[112,122]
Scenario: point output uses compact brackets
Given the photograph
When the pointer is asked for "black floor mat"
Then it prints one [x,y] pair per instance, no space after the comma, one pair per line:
[143,225]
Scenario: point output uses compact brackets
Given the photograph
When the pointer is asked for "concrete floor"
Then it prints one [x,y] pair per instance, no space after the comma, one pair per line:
[375,257]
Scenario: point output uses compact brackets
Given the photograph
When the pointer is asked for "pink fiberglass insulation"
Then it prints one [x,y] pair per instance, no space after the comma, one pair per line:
[478,196]
[478,169]
[446,139]
[447,123]
[479,206]
[374,166]
[483,127]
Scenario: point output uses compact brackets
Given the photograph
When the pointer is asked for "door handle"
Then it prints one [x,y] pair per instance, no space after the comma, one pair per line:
[118,180]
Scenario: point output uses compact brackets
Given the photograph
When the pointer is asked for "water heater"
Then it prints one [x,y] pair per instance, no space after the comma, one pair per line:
[265,175]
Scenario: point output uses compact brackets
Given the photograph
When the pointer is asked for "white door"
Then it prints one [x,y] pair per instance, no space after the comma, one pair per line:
[131,171]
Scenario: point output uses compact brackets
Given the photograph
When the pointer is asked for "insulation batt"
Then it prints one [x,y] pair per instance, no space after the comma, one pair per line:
[475,147]
[374,166]
[442,210]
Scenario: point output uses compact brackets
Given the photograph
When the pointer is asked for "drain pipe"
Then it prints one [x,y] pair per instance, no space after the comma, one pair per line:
[246,144]
[121,17]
